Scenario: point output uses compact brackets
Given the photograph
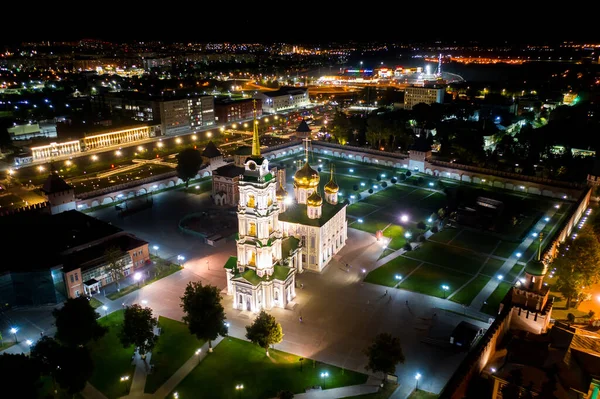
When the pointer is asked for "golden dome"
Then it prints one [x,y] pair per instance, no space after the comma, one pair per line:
[331,187]
[306,177]
[280,193]
[314,199]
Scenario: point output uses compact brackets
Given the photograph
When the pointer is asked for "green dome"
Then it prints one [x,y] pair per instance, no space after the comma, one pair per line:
[536,268]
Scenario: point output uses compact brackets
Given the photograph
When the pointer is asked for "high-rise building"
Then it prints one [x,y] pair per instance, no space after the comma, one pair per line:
[175,114]
[414,95]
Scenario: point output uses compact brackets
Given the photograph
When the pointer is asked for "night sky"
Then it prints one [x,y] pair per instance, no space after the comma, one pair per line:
[307,22]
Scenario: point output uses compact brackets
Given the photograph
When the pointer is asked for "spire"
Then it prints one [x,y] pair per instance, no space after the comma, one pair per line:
[331,170]
[539,254]
[255,142]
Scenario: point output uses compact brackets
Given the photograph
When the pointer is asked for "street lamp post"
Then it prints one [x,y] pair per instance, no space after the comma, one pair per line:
[124,379]
[445,288]
[155,249]
[417,378]
[323,376]
[137,277]
[14,332]
[105,308]
[180,258]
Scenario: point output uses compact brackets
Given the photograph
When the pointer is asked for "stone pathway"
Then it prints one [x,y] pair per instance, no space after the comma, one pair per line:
[371,386]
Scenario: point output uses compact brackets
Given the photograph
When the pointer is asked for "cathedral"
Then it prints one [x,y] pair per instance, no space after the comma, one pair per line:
[279,237]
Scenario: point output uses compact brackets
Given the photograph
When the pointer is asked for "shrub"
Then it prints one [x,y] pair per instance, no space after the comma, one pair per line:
[434,229]
[402,176]
[394,180]
[421,225]
[378,177]
[407,247]
[408,173]
[319,169]
[421,238]
[571,318]
[355,187]
[370,191]
[415,182]
[384,184]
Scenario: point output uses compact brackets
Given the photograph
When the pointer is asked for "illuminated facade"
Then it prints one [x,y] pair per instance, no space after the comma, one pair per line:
[92,142]
[285,98]
[414,95]
[263,274]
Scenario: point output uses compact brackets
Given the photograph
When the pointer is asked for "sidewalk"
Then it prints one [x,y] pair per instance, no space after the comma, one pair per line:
[371,386]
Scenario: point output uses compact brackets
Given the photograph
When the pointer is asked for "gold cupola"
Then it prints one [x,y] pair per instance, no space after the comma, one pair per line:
[280,193]
[314,199]
[331,187]
[306,177]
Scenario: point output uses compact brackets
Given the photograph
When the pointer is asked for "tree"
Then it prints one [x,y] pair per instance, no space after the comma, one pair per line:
[285,395]
[394,180]
[114,264]
[189,162]
[513,390]
[21,376]
[355,187]
[204,313]
[46,352]
[421,225]
[77,322]
[370,191]
[138,329]
[384,354]
[76,368]
[264,331]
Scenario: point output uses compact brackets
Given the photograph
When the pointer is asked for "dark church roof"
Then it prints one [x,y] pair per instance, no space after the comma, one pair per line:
[211,151]
[230,170]
[243,150]
[303,127]
[55,184]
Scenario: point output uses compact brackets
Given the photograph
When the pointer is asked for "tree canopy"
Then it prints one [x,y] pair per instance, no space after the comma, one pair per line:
[77,322]
[264,331]
[189,162]
[384,354]
[21,376]
[204,313]
[138,329]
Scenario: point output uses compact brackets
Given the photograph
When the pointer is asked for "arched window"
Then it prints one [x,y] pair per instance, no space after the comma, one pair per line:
[251,201]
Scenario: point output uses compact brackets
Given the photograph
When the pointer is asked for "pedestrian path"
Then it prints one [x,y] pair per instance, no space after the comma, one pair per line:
[140,374]
[371,386]
[491,285]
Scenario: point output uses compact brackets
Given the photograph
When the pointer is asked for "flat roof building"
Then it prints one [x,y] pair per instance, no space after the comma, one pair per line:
[414,95]
[283,99]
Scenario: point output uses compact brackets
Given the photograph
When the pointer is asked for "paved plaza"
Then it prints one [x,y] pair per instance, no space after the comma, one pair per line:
[341,314]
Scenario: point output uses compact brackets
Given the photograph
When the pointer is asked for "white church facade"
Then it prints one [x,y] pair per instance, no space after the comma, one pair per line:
[277,237]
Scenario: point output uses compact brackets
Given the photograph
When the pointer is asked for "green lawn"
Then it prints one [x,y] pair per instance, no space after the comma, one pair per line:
[170,269]
[446,235]
[174,347]
[450,257]
[11,201]
[236,362]
[386,274]
[476,241]
[506,249]
[370,224]
[386,252]
[493,302]
[361,209]
[111,360]
[95,303]
[396,233]
[470,291]
[514,273]
[428,279]
[491,267]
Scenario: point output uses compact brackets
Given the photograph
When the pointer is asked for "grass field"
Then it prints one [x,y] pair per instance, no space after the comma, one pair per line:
[111,360]
[386,274]
[174,347]
[236,362]
[493,302]
[467,293]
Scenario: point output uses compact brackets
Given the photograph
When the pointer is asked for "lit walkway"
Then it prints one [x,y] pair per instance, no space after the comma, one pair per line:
[485,293]
[371,386]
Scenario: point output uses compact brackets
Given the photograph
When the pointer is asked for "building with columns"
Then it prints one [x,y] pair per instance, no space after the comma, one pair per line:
[263,274]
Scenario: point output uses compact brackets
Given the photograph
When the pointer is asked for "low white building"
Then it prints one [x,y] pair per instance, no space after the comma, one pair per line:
[285,98]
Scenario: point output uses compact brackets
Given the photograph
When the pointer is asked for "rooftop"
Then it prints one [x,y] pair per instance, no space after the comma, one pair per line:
[55,184]
[286,91]
[211,151]
[243,150]
[303,127]
[230,170]
[279,273]
[44,237]
[288,245]
[95,255]
[297,213]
